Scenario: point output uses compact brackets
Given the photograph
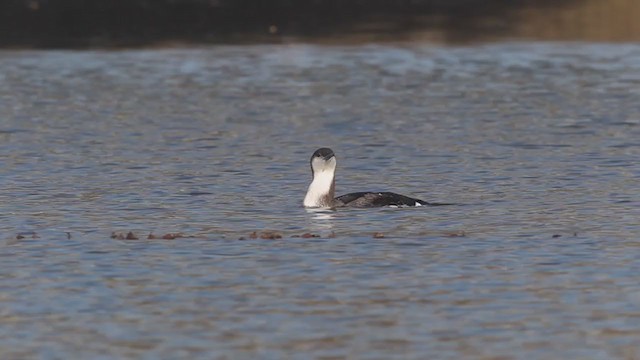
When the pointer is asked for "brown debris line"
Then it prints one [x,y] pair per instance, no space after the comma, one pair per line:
[457,233]
[378,235]
[118,235]
[24,235]
[267,235]
[167,236]
[132,236]
[272,235]
[171,236]
[306,236]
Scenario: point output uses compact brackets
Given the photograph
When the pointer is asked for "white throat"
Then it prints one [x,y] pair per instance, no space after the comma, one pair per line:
[320,193]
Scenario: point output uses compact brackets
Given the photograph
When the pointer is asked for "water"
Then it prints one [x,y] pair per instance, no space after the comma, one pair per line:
[537,143]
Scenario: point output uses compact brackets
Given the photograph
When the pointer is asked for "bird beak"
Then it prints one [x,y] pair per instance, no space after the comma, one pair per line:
[329,156]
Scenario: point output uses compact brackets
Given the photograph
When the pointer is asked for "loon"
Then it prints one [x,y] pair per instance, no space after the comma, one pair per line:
[322,188]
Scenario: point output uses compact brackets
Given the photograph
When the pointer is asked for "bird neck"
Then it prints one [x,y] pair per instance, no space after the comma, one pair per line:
[322,191]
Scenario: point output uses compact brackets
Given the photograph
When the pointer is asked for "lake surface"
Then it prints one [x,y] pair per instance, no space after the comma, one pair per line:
[538,144]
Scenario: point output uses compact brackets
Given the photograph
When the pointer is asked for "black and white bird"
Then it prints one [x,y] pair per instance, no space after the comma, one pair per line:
[321,193]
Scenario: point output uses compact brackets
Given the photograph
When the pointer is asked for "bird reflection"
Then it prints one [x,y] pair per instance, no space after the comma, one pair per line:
[320,219]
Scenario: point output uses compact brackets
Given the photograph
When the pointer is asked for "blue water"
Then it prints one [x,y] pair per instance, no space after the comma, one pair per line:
[537,144]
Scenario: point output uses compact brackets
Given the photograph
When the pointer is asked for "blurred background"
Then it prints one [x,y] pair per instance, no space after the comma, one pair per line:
[82,23]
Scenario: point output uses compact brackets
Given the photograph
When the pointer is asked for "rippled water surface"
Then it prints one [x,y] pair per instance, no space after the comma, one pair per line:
[538,144]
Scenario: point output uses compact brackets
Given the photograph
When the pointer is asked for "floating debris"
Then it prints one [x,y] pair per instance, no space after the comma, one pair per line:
[270,235]
[306,236]
[378,235]
[120,236]
[29,234]
[459,233]
[556,236]
[132,236]
[267,235]
[171,236]
[68,235]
